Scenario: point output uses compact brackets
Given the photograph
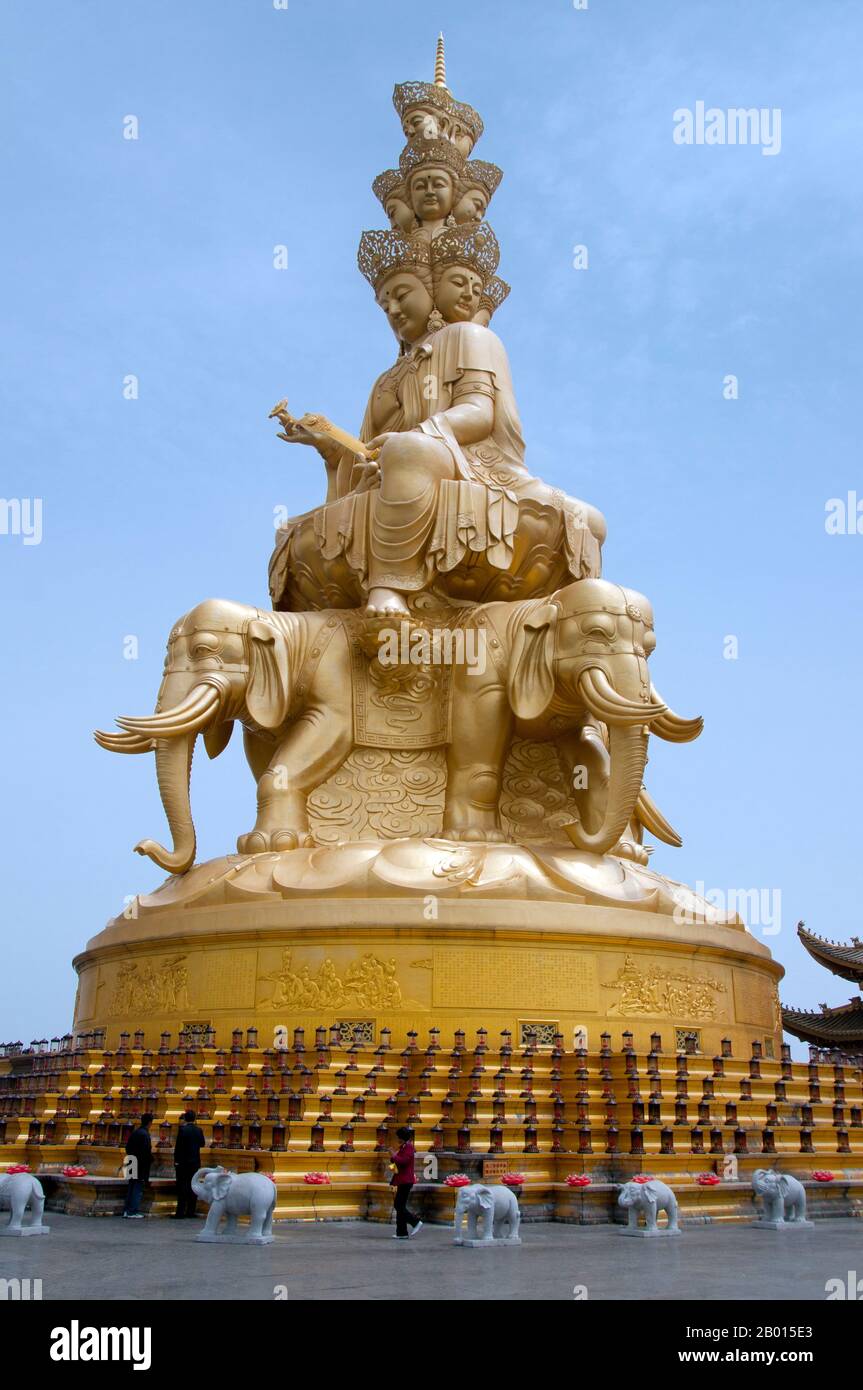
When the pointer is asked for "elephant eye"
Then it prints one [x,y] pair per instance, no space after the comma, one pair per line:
[205,644]
[598,625]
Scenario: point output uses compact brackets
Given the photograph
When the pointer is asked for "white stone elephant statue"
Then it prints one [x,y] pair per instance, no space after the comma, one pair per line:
[783,1198]
[649,1199]
[236,1194]
[498,1208]
[17,1192]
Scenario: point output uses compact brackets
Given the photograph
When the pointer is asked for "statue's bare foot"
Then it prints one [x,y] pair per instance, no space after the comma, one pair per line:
[387,601]
[261,841]
[485,834]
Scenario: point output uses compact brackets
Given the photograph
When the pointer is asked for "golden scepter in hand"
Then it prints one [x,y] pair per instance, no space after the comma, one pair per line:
[318,430]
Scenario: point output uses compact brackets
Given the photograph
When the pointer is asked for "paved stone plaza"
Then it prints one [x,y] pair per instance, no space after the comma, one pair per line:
[109,1258]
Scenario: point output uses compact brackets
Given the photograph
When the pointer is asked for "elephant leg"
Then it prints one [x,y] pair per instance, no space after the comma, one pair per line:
[481,730]
[214,1216]
[632,1218]
[37,1208]
[258,751]
[314,748]
[230,1226]
[471,1225]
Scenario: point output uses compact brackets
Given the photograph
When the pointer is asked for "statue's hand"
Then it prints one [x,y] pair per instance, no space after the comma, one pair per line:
[295,433]
[375,445]
[364,475]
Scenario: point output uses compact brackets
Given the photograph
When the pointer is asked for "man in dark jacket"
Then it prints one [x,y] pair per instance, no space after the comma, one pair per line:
[140,1149]
[187,1161]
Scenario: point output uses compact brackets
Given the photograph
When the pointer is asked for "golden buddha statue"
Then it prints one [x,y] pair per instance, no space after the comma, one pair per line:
[447,492]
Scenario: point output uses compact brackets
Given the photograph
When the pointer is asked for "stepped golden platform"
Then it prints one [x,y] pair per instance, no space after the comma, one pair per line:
[479,1105]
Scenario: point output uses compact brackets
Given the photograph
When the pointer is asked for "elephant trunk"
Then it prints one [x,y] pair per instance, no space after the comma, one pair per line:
[628,753]
[173,769]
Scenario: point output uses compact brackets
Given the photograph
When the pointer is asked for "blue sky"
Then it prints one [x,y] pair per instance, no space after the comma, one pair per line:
[155,257]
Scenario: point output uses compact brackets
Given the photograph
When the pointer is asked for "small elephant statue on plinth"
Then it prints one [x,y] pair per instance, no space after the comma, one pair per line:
[17,1192]
[498,1208]
[236,1194]
[783,1201]
[649,1198]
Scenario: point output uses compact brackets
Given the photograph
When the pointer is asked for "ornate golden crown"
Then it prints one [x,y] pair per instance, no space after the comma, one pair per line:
[494,293]
[478,173]
[382,252]
[431,154]
[414,96]
[387,182]
[474,246]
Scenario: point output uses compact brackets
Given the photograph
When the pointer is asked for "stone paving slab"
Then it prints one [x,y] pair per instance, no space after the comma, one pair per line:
[108,1258]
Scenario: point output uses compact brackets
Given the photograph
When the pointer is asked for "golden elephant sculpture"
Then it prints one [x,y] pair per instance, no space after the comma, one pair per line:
[286,678]
[572,668]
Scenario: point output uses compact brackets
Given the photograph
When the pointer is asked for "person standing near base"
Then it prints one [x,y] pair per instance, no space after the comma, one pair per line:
[139,1147]
[402,1181]
[187,1161]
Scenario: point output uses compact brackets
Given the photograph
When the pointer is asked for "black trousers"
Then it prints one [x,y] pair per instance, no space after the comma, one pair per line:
[404,1218]
[187,1202]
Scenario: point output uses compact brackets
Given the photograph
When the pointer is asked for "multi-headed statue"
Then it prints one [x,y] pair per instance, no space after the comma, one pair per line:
[434,527]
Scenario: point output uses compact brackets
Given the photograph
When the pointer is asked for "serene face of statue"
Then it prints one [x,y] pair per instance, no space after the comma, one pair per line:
[407,304]
[400,214]
[423,122]
[458,292]
[432,192]
[462,139]
[471,206]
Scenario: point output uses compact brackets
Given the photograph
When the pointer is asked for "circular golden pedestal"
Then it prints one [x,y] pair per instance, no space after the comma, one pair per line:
[415,935]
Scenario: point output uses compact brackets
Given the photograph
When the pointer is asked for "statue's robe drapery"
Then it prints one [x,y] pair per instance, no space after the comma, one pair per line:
[474,516]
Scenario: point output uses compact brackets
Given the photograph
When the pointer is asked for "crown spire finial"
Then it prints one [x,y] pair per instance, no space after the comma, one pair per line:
[440,64]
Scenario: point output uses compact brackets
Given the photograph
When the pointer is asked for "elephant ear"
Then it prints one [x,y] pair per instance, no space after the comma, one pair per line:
[270,689]
[531,676]
[649,1194]
[784,1184]
[485,1198]
[217,738]
[221,1184]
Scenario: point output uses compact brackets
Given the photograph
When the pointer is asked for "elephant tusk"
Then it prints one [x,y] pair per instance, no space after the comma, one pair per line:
[123,743]
[671,727]
[603,700]
[653,820]
[186,718]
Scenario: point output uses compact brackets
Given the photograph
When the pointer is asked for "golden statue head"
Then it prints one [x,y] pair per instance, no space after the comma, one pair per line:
[463,259]
[431,170]
[475,190]
[399,271]
[389,188]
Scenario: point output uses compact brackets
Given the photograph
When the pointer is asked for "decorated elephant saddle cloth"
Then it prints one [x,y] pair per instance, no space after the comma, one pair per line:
[402,678]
